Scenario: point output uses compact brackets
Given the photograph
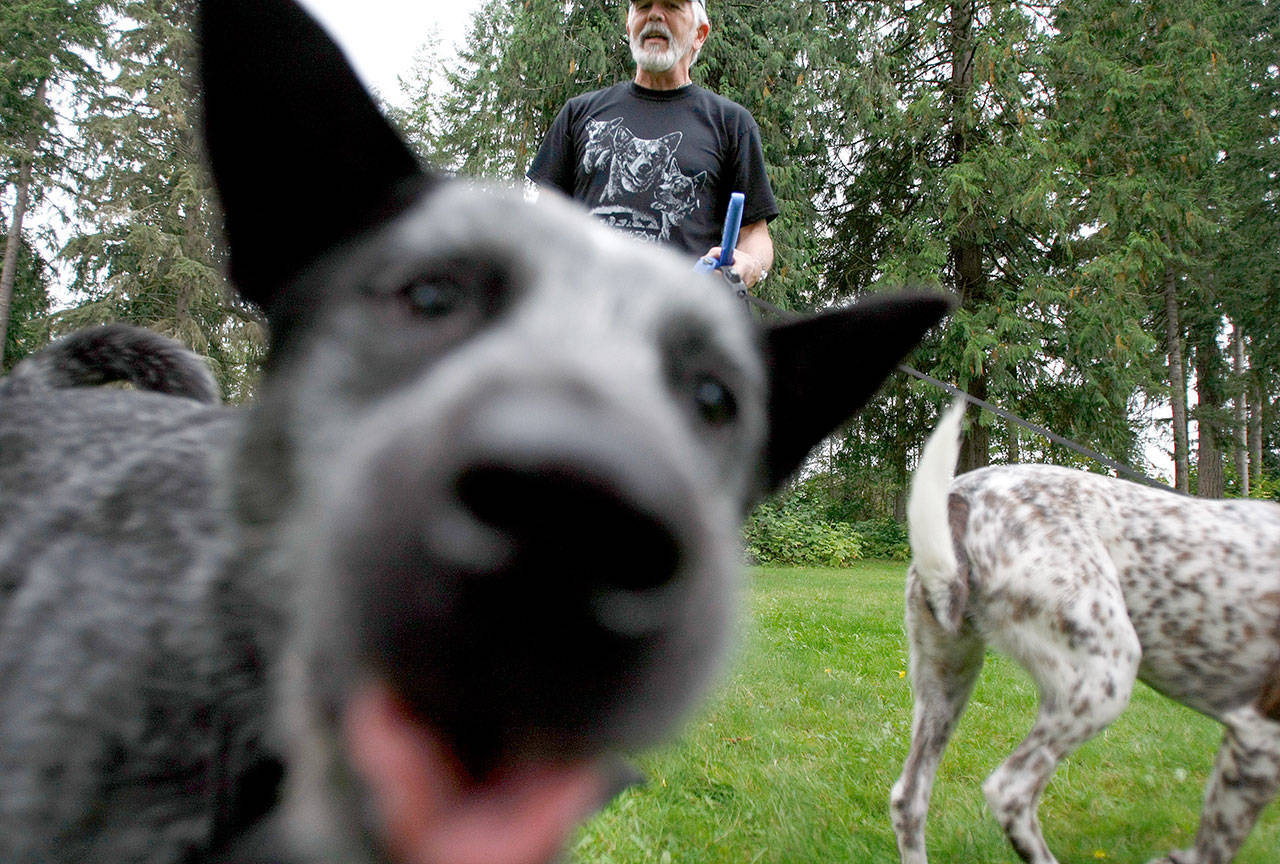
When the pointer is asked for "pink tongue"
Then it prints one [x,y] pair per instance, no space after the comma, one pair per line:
[428,811]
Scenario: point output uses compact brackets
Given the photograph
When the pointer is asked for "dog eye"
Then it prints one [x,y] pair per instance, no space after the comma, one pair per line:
[434,298]
[714,401]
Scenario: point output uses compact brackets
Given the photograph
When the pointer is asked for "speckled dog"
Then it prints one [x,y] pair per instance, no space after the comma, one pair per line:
[476,535]
[1090,583]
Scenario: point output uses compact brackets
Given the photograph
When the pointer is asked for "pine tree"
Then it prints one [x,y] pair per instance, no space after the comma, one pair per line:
[28,316]
[44,46]
[146,251]
[1147,108]
[1246,258]
[948,169]
[522,59]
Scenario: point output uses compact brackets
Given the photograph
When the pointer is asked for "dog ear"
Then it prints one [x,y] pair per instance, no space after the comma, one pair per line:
[823,369]
[301,156]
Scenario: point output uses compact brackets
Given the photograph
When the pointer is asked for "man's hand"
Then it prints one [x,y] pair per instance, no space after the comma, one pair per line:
[744,264]
[754,253]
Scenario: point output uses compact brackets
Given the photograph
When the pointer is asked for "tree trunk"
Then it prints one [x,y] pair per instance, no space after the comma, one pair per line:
[1209,459]
[966,252]
[13,242]
[1210,482]
[1242,413]
[1177,384]
[975,447]
[901,482]
[1255,428]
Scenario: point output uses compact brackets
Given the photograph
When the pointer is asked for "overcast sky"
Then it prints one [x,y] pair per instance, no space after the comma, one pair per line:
[381,36]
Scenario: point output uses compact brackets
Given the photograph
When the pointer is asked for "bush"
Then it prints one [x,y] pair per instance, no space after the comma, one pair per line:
[1265,487]
[884,538]
[793,531]
[787,534]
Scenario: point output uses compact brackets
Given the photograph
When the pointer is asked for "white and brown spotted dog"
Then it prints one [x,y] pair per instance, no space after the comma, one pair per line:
[1090,583]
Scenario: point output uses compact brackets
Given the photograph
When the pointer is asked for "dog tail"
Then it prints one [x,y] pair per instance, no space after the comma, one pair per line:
[932,552]
[118,352]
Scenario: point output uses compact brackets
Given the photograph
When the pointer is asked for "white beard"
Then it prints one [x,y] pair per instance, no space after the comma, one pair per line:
[660,60]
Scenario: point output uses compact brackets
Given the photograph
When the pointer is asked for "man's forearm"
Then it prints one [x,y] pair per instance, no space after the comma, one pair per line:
[755,252]
[754,239]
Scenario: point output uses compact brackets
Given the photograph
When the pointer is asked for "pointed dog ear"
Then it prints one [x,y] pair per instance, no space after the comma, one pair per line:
[823,369]
[301,156]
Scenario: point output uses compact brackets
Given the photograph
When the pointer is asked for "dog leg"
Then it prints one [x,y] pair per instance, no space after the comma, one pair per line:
[944,667]
[1246,777]
[1085,662]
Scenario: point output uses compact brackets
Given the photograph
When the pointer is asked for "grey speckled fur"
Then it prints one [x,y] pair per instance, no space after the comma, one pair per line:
[1090,583]
[497,459]
[117,352]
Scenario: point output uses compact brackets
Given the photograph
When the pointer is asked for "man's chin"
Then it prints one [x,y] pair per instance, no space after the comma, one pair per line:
[654,62]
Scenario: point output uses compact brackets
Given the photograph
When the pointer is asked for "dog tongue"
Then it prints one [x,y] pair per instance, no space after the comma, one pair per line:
[430,810]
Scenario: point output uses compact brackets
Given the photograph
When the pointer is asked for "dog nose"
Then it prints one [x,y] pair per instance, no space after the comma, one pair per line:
[585,502]
[565,519]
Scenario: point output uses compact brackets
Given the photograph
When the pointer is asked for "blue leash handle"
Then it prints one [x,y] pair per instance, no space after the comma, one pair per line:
[729,239]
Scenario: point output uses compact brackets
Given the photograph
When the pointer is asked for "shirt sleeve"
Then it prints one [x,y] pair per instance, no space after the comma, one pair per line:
[750,176]
[553,165]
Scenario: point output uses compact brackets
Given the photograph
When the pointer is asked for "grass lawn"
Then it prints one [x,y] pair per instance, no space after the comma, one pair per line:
[793,759]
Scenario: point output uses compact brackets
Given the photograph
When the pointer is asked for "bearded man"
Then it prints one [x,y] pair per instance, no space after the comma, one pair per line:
[658,156]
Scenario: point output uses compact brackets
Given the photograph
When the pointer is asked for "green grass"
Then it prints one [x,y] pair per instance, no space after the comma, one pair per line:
[793,759]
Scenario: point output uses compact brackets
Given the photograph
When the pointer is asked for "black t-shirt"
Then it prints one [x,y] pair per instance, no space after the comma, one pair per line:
[659,164]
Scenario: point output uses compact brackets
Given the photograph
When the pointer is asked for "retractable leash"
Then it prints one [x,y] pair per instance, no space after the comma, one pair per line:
[728,240]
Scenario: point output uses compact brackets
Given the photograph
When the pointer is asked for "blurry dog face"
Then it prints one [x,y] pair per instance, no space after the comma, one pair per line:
[567,457]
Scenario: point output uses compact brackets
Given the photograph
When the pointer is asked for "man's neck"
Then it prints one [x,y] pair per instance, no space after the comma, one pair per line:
[672,79]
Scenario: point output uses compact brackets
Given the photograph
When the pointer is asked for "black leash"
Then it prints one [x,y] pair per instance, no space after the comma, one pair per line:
[1118,467]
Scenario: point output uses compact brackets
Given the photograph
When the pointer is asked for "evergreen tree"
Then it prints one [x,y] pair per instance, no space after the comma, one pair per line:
[146,251]
[1246,258]
[948,169]
[45,42]
[521,60]
[1149,106]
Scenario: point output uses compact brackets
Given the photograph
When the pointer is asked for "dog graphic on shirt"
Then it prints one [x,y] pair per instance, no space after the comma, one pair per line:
[599,150]
[677,194]
[637,164]
[646,193]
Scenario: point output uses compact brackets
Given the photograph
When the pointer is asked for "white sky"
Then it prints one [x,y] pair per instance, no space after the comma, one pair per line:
[381,36]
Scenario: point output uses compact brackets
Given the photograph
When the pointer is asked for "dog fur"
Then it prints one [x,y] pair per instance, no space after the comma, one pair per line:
[117,352]
[1090,583]
[497,461]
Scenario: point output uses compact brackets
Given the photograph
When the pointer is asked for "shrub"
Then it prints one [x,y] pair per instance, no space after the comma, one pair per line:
[1266,487]
[784,534]
[794,530]
[884,538]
